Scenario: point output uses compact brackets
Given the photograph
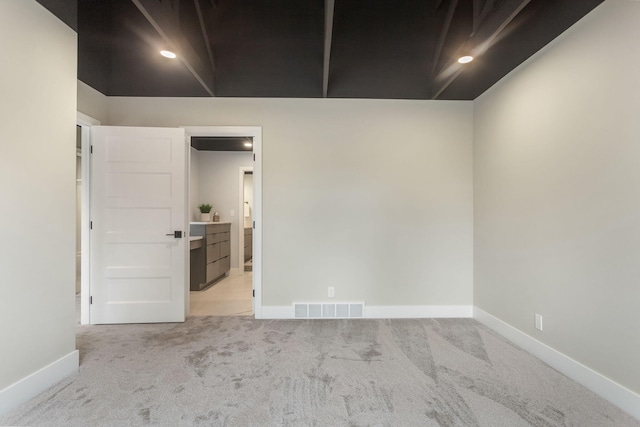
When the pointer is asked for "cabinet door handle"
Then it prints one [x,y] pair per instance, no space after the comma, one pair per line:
[176,234]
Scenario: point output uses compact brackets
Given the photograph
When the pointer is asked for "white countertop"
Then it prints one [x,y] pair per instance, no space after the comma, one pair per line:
[193,238]
[207,223]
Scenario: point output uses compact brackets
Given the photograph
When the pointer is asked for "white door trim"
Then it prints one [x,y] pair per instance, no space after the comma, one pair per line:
[85,122]
[256,133]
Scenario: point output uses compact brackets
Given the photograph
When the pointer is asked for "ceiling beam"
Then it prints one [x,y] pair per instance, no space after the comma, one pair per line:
[443,36]
[162,16]
[481,13]
[205,34]
[480,42]
[329,6]
[477,7]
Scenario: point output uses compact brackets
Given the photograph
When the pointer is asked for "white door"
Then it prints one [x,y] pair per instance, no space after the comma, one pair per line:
[138,201]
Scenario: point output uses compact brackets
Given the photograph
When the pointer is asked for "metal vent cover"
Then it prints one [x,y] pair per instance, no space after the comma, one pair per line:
[339,310]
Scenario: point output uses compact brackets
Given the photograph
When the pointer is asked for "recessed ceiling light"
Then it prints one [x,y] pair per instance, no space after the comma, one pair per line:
[248,144]
[465,59]
[168,54]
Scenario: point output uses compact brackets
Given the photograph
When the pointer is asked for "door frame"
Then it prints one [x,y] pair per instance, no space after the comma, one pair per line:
[254,132]
[85,122]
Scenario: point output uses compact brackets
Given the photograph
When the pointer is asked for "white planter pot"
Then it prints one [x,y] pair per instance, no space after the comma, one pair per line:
[205,217]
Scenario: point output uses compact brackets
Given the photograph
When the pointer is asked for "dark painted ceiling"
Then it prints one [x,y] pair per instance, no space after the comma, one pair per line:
[396,49]
[219,143]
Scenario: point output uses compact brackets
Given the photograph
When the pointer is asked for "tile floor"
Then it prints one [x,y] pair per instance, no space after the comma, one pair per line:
[229,297]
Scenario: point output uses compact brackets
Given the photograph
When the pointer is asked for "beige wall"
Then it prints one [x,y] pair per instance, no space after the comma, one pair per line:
[373,197]
[557,186]
[37,183]
[92,103]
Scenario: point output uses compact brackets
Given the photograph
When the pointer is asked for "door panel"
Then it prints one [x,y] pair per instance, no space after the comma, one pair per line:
[138,267]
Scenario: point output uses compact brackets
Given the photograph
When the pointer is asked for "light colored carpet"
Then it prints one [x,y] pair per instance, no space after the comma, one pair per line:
[236,371]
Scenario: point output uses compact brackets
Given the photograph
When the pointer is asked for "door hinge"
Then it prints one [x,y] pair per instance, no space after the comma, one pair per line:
[91,149]
[90,225]
[254,157]
[254,293]
[91,300]
[254,225]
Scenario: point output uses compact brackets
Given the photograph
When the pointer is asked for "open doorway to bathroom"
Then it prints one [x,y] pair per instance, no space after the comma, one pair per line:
[226,239]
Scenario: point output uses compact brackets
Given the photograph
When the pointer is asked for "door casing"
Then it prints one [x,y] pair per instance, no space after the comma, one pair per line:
[85,122]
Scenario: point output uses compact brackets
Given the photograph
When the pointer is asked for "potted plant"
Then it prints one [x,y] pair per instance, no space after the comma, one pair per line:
[205,212]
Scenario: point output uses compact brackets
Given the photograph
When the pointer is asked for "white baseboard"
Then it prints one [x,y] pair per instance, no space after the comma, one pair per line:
[385,311]
[39,381]
[277,312]
[622,397]
[417,311]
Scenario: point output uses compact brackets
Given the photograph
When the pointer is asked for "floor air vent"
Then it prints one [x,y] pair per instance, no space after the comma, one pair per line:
[340,310]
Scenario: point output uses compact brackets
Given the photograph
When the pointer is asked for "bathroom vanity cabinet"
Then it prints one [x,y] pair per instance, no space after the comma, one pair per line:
[215,258]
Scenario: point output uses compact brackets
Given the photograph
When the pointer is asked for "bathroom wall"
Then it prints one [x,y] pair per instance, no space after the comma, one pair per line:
[248,198]
[219,185]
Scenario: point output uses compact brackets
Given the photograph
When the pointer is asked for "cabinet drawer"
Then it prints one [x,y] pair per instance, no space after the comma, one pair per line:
[217,228]
[214,270]
[225,248]
[218,268]
[213,252]
[225,264]
[218,237]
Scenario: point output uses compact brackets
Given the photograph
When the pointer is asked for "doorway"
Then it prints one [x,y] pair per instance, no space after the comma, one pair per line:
[240,280]
[218,284]
[254,132]
[83,187]
[232,295]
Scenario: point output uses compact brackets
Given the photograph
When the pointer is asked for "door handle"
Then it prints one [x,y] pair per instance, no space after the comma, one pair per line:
[176,234]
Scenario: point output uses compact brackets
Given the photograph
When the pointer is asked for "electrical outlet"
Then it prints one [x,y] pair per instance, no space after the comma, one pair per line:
[538,322]
[331,291]
[233,213]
